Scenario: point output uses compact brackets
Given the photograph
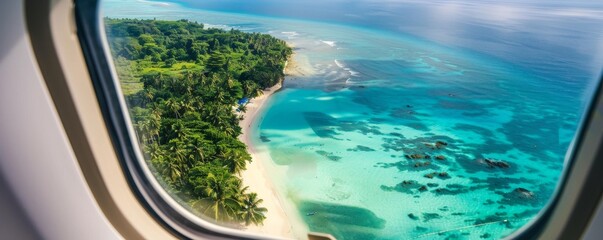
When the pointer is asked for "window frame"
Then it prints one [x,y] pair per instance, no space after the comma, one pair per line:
[163,207]
[552,221]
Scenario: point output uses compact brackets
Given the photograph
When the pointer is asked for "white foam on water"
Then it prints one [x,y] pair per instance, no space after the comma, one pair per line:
[154,3]
[218,26]
[349,70]
[331,73]
[290,34]
[330,43]
[324,98]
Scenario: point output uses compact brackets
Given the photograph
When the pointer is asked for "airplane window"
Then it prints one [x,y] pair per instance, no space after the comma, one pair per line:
[369,119]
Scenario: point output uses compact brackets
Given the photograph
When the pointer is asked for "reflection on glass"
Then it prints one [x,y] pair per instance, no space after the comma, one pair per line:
[396,119]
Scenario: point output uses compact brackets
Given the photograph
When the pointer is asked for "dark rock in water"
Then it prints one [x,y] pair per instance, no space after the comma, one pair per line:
[440,144]
[406,186]
[329,155]
[421,164]
[451,189]
[430,216]
[396,134]
[440,157]
[415,156]
[362,149]
[427,156]
[423,188]
[443,175]
[524,193]
[408,182]
[440,175]
[413,217]
[433,184]
[519,196]
[491,163]
[499,164]
[421,229]
[479,164]
[405,165]
[485,235]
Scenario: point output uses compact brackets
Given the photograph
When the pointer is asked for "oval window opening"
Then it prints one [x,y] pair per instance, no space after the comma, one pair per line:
[362,120]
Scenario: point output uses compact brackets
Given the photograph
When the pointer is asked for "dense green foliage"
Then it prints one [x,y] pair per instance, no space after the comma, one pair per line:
[182,82]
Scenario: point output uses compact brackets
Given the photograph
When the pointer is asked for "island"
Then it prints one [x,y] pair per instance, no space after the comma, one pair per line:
[186,88]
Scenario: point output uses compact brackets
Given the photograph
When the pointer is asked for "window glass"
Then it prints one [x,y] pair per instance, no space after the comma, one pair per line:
[360,119]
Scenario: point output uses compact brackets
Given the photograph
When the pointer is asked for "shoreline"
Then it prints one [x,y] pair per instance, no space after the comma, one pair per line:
[280,220]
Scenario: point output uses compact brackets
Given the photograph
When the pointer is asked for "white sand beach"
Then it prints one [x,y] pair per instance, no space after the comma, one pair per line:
[281,218]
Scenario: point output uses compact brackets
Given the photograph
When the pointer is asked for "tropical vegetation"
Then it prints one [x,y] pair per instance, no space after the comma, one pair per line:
[182,83]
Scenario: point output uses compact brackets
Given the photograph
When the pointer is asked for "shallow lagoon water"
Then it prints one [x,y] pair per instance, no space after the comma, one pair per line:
[377,97]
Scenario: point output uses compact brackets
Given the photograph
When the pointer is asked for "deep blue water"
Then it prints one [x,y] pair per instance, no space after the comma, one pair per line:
[388,79]
[556,39]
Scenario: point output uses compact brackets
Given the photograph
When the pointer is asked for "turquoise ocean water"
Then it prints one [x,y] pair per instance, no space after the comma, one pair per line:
[379,95]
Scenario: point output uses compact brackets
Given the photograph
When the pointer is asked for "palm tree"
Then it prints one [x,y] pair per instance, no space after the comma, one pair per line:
[250,211]
[155,124]
[142,128]
[194,148]
[155,152]
[221,192]
[242,108]
[177,163]
[180,130]
[234,158]
[174,106]
[173,171]
[188,106]
[148,94]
